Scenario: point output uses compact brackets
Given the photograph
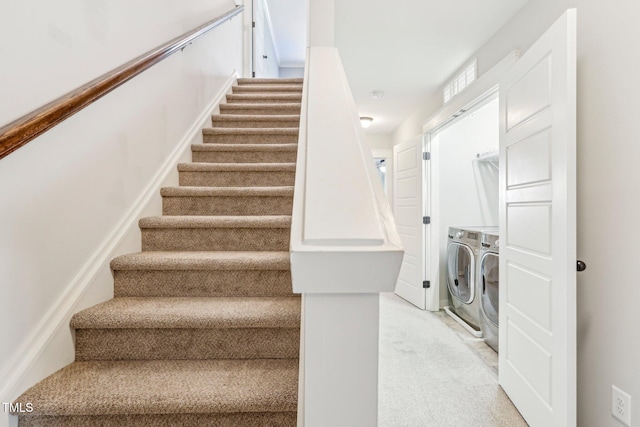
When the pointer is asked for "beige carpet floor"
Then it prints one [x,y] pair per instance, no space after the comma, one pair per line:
[435,374]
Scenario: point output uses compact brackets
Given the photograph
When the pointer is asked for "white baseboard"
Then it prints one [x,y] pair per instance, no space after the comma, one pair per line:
[61,311]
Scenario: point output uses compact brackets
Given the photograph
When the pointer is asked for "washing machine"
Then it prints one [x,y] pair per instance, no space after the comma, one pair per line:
[489,287]
[462,252]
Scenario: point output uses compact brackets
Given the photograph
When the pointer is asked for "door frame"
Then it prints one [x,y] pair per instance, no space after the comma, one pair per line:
[481,90]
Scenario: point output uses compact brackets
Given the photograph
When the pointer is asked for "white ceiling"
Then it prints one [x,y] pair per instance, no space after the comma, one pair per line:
[405,48]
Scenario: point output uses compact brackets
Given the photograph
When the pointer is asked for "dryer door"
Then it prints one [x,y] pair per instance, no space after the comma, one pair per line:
[460,272]
[489,269]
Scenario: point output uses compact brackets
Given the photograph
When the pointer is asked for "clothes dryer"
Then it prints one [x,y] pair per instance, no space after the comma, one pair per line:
[489,287]
[462,252]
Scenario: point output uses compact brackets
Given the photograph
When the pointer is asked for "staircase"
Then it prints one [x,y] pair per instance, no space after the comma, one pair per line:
[203,329]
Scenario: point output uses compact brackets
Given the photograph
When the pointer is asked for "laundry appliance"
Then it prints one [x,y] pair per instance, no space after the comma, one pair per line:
[488,286]
[462,251]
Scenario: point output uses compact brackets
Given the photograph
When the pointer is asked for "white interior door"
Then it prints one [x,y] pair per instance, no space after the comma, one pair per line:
[258,38]
[407,206]
[538,229]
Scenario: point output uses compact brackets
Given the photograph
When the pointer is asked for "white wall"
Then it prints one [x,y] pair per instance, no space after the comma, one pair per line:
[608,206]
[608,176]
[467,189]
[291,72]
[66,195]
[380,141]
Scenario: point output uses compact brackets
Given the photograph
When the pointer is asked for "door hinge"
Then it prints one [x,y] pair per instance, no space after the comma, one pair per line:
[426,284]
[426,220]
[426,155]
[253,24]
[253,74]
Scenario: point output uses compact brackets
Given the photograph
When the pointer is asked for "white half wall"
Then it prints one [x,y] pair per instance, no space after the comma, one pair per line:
[68,197]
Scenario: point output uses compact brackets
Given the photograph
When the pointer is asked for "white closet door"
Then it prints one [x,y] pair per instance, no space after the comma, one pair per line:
[538,229]
[407,207]
[259,28]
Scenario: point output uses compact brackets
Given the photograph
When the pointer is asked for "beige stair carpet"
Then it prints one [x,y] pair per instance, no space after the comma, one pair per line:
[203,329]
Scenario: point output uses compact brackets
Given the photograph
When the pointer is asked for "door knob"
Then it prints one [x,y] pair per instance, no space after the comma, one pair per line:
[264,56]
[581,266]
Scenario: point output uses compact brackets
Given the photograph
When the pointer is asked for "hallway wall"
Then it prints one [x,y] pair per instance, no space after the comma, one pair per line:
[608,199]
[67,197]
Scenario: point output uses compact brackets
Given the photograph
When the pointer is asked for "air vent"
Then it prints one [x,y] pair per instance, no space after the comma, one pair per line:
[461,81]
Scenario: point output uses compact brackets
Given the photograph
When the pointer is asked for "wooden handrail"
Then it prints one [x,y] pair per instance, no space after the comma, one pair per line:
[21,131]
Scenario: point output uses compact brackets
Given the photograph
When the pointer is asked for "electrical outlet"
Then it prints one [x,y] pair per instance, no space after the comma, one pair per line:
[621,405]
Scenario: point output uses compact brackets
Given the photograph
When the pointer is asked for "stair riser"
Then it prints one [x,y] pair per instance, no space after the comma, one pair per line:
[215,239]
[183,344]
[267,89]
[202,283]
[248,98]
[266,81]
[244,156]
[250,139]
[254,419]
[201,205]
[237,179]
[266,110]
[222,122]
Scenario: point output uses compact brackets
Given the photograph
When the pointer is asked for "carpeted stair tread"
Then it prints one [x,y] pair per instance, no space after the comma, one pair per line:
[216,419]
[244,147]
[262,81]
[216,200]
[271,98]
[271,109]
[206,221]
[244,153]
[247,135]
[257,117]
[216,233]
[236,167]
[167,387]
[265,121]
[227,191]
[236,174]
[201,283]
[203,260]
[250,131]
[191,313]
[267,88]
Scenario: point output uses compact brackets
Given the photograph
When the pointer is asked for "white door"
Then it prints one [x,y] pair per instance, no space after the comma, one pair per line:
[538,229]
[407,207]
[258,38]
